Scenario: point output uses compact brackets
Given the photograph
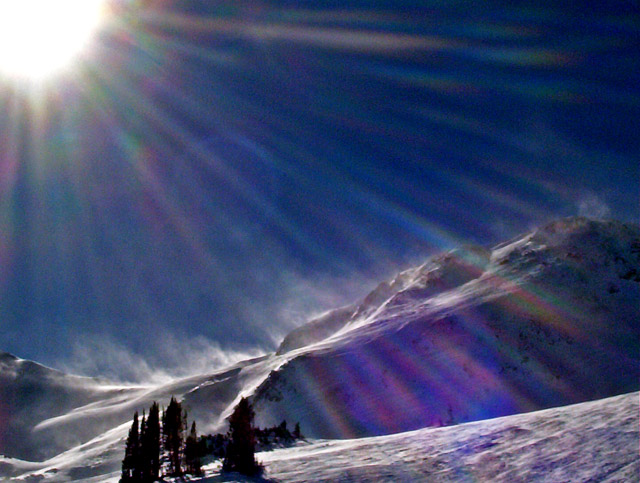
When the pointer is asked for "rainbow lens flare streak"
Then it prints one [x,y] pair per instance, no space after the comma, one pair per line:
[197,161]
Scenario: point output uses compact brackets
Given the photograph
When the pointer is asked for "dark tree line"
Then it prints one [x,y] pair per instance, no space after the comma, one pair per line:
[266,439]
[157,446]
[153,450]
[277,436]
[238,446]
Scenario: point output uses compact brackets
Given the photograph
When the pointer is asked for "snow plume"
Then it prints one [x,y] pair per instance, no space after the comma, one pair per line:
[103,356]
[308,297]
[592,206]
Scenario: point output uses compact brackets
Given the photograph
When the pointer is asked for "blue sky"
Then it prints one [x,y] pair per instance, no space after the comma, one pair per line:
[218,171]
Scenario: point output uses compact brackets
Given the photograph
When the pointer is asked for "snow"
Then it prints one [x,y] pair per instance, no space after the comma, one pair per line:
[545,320]
[594,441]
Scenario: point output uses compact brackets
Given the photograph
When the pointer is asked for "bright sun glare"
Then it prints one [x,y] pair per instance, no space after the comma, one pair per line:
[40,37]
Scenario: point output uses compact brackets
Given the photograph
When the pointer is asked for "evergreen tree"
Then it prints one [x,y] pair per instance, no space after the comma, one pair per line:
[296,432]
[192,459]
[131,461]
[150,445]
[240,455]
[173,427]
[143,464]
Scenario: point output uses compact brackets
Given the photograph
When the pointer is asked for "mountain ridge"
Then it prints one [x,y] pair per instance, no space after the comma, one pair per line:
[542,304]
[477,257]
[546,319]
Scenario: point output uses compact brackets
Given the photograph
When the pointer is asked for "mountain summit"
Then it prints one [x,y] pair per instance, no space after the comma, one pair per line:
[547,319]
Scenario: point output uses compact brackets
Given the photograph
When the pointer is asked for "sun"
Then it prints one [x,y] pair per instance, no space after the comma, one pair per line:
[39,38]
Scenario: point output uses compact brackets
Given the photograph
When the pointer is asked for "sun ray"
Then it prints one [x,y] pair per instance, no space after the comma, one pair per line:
[40,37]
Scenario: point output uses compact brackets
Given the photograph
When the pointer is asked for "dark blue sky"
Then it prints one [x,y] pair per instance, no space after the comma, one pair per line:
[217,170]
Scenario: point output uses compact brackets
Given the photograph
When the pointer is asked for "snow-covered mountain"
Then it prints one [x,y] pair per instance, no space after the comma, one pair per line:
[33,398]
[547,319]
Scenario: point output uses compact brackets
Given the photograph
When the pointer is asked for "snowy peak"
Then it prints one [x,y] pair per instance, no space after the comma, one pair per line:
[318,329]
[547,319]
[578,239]
[574,247]
[14,368]
[6,357]
[579,230]
[35,399]
[439,274]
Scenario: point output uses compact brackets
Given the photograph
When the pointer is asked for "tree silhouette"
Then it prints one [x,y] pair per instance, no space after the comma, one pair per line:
[296,432]
[150,446]
[192,457]
[143,464]
[240,455]
[149,441]
[131,461]
[173,427]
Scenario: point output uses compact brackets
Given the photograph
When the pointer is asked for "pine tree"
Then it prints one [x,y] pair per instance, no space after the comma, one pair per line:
[143,464]
[240,455]
[150,445]
[296,432]
[282,429]
[131,461]
[173,427]
[192,459]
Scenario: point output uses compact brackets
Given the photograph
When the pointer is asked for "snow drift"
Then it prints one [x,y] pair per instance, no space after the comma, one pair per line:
[594,441]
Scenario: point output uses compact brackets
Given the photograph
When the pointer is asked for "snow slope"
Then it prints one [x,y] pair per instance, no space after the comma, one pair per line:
[593,441]
[45,413]
[33,397]
[547,319]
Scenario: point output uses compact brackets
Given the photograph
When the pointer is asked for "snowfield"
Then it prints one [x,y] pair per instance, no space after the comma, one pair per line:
[593,441]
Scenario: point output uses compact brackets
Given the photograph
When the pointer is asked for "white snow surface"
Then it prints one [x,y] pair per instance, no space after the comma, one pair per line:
[592,441]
